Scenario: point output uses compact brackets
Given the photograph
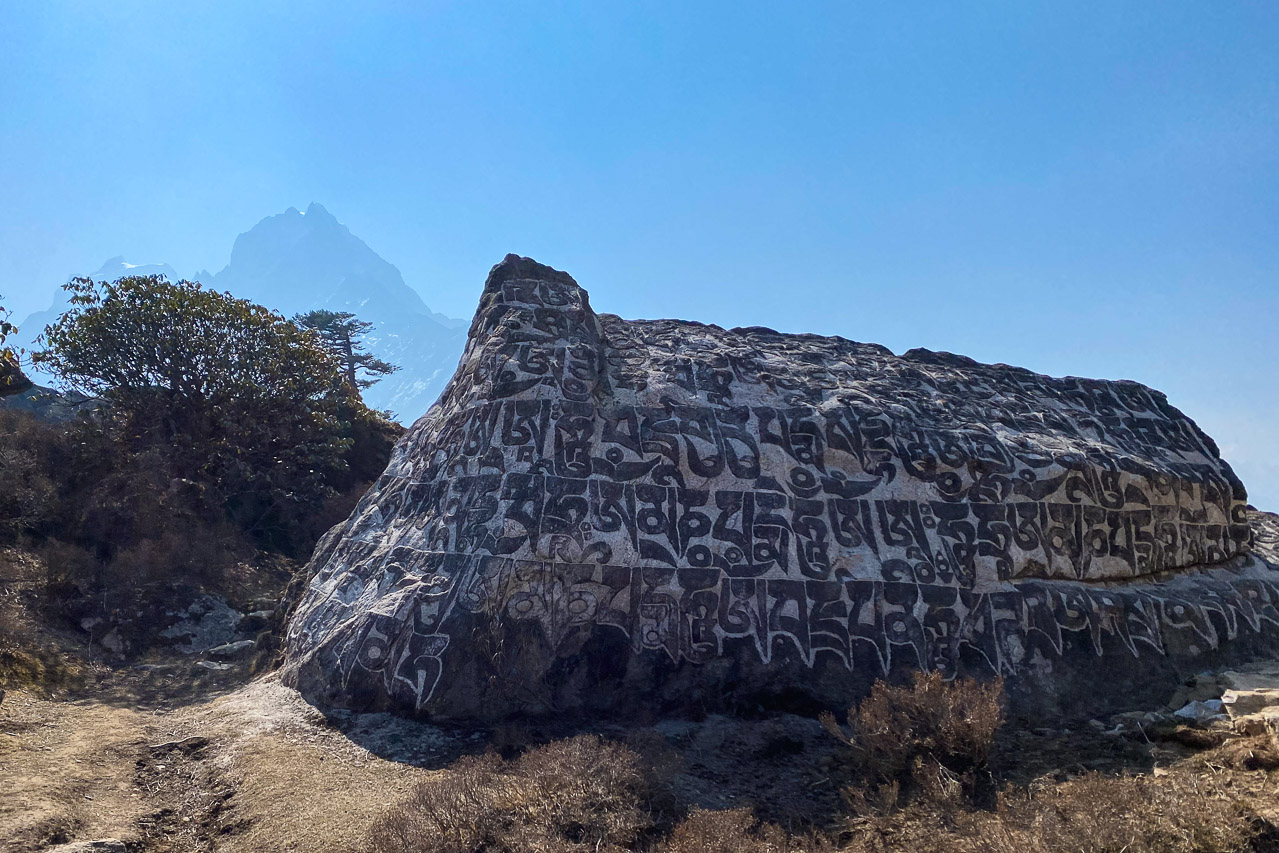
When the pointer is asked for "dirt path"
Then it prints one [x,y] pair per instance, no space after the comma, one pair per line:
[255,769]
[67,771]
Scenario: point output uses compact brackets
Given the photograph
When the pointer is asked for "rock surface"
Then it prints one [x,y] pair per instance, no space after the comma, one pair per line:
[101,845]
[603,514]
[209,622]
[49,404]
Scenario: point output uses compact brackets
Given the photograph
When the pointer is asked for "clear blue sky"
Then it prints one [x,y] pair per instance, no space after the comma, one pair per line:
[1084,188]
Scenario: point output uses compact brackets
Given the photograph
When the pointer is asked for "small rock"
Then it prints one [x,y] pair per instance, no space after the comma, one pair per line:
[213,665]
[1264,679]
[1197,688]
[1242,703]
[1201,712]
[101,845]
[1258,724]
[257,620]
[113,643]
[230,650]
[186,744]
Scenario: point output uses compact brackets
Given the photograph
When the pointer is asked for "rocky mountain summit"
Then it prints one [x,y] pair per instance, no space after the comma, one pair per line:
[297,261]
[608,515]
[300,260]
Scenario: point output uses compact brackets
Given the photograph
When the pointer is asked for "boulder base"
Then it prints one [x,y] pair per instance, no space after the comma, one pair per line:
[643,516]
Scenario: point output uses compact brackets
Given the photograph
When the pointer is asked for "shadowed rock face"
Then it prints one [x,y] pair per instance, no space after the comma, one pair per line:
[601,514]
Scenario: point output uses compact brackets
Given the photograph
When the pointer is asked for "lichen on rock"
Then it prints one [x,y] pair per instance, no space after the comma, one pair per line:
[600,512]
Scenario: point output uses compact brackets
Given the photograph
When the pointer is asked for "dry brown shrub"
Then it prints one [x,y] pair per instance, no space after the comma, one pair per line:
[1258,752]
[27,657]
[1178,813]
[580,794]
[735,831]
[585,789]
[67,565]
[28,492]
[930,736]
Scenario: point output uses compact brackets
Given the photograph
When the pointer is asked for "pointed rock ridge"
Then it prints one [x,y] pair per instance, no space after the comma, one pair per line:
[603,515]
[315,211]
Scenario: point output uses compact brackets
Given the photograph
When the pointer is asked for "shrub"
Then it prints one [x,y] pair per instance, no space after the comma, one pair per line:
[735,831]
[929,736]
[1097,814]
[580,794]
[237,397]
[28,492]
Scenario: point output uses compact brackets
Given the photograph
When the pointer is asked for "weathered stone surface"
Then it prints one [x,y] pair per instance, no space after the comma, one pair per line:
[101,845]
[208,622]
[1239,703]
[230,650]
[602,514]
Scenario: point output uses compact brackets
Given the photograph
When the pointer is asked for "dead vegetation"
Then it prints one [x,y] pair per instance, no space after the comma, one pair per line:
[932,739]
[911,758]
[580,794]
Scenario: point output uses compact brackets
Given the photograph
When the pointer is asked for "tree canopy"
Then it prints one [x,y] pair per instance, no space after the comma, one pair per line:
[11,379]
[234,395]
[343,335]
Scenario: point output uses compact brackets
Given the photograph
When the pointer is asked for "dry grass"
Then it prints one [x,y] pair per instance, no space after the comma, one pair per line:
[929,738]
[1177,813]
[580,794]
[735,831]
[29,656]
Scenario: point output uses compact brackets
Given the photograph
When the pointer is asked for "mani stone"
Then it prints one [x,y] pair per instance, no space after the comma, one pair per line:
[651,516]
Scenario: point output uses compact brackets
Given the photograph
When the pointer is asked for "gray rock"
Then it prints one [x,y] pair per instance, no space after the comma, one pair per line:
[230,650]
[213,665]
[1241,703]
[112,642]
[101,845]
[607,515]
[208,622]
[1207,711]
[257,620]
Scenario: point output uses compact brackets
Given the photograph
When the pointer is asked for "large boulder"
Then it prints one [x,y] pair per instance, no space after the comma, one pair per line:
[609,515]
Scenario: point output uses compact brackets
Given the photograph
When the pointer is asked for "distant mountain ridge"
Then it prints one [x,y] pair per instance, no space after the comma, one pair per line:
[297,261]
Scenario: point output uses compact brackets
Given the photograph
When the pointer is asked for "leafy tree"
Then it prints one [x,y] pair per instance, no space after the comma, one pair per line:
[342,334]
[12,381]
[6,328]
[233,396]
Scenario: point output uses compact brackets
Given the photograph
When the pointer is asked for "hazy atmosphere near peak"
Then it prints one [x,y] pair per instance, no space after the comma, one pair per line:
[1088,189]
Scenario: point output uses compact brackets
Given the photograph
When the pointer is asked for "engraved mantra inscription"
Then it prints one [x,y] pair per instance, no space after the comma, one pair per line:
[808,496]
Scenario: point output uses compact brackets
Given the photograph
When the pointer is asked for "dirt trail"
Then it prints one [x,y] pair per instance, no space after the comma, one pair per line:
[67,770]
[255,769]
